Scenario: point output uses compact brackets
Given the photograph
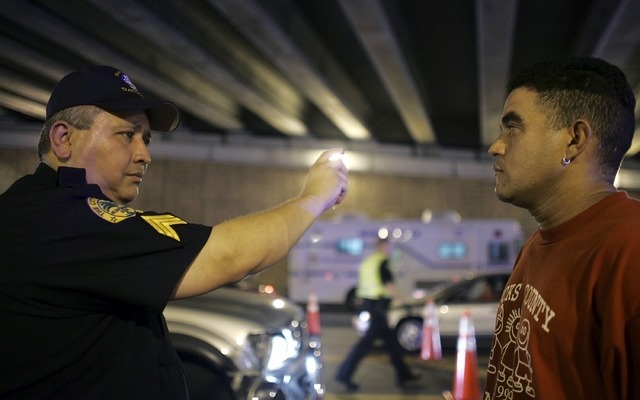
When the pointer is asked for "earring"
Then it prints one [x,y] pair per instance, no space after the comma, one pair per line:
[565,161]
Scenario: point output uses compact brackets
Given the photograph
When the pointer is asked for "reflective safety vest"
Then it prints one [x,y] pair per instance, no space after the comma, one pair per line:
[370,285]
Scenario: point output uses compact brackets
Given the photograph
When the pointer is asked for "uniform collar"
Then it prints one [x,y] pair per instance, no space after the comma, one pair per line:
[68,176]
[65,176]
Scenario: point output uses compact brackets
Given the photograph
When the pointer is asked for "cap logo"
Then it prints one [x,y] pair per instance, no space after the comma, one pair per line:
[124,78]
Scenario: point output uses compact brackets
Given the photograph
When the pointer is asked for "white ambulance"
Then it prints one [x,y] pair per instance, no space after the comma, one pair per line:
[425,253]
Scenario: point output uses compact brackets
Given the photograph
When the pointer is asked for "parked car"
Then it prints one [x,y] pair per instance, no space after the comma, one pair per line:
[478,294]
[237,344]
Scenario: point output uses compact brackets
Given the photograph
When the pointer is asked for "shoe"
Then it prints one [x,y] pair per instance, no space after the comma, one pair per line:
[348,384]
[401,381]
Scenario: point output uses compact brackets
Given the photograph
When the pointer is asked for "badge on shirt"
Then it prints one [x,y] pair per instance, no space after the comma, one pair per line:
[110,211]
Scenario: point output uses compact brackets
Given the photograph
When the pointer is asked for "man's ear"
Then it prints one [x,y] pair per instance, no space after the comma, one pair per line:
[581,136]
[59,136]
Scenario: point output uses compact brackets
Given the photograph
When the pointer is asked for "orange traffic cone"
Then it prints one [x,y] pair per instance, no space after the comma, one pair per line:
[313,315]
[431,346]
[466,385]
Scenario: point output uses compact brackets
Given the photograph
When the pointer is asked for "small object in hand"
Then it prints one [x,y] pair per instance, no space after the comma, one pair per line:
[336,156]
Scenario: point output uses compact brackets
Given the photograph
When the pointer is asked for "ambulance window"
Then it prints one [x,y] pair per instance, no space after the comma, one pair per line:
[498,252]
[452,250]
[350,246]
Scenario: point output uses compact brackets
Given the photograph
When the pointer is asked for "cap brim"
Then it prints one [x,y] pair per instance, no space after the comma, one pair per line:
[163,115]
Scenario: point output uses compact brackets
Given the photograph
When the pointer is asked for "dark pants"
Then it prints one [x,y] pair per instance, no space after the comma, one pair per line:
[378,329]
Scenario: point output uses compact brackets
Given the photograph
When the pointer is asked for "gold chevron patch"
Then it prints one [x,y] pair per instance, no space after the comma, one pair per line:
[162,224]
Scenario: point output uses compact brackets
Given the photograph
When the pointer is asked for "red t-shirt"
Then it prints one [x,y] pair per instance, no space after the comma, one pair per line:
[568,324]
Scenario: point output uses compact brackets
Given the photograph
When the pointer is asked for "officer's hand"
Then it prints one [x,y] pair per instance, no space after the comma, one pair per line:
[326,181]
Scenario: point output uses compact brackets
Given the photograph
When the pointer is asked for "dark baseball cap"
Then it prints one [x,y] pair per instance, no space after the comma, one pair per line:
[110,89]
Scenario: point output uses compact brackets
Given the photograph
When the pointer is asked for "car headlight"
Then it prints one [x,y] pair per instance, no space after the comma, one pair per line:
[272,350]
[284,346]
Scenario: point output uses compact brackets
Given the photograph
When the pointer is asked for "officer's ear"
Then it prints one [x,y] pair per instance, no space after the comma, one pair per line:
[59,135]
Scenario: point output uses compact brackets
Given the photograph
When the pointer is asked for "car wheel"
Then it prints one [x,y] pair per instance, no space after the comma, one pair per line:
[409,334]
[204,383]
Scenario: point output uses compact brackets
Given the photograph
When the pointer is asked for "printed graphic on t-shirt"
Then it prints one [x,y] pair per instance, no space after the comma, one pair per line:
[509,359]
[110,211]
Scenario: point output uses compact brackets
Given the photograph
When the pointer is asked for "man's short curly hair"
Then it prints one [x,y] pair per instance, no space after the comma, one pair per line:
[571,88]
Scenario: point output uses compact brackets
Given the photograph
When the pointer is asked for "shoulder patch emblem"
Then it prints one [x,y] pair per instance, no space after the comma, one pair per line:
[162,224]
[110,211]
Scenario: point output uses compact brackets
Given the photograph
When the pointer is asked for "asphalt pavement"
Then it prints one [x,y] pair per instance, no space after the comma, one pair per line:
[375,374]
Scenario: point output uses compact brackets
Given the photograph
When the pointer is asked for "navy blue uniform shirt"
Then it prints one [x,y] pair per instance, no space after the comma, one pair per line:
[83,283]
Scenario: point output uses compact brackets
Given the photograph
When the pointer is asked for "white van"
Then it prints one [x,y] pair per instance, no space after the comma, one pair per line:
[327,258]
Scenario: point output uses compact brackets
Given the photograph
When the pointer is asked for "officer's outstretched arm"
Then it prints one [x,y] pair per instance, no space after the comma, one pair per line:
[250,244]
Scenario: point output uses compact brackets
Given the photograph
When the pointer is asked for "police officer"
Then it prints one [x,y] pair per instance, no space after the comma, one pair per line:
[376,289]
[84,277]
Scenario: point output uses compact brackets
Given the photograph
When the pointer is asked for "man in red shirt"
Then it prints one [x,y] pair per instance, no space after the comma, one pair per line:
[568,325]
